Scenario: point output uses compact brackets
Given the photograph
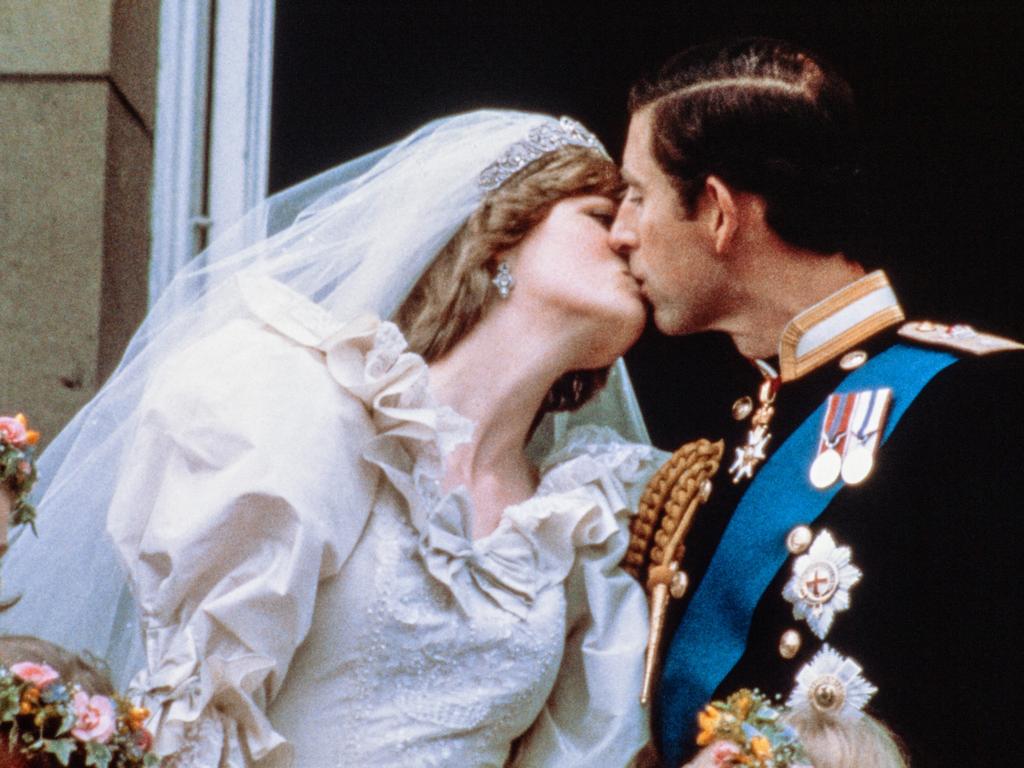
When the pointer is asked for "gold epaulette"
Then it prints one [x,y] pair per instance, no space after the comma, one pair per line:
[667,507]
[962,338]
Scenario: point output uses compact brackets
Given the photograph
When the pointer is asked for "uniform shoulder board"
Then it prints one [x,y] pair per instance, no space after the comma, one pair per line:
[962,338]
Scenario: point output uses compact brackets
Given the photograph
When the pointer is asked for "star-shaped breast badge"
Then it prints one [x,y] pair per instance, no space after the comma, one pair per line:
[821,583]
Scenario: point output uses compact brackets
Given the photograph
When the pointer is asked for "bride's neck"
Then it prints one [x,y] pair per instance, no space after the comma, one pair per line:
[497,376]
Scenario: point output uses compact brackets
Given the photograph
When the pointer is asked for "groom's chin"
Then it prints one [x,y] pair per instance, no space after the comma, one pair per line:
[670,321]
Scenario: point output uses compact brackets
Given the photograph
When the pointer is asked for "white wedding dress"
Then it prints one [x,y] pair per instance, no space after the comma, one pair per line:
[308,595]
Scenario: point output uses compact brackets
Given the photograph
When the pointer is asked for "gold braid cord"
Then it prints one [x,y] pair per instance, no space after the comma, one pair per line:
[657,534]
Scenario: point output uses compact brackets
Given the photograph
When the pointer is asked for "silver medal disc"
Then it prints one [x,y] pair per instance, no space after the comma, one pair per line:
[857,465]
[825,468]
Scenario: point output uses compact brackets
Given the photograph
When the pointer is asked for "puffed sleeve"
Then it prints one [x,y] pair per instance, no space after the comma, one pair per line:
[246,488]
[593,716]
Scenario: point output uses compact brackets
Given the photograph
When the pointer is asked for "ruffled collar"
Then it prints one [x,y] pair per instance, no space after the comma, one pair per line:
[582,499]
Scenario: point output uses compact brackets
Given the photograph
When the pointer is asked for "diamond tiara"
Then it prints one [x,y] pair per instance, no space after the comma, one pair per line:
[538,142]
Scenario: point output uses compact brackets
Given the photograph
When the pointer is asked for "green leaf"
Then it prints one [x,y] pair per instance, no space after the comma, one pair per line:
[150,760]
[62,749]
[97,755]
[67,722]
[10,704]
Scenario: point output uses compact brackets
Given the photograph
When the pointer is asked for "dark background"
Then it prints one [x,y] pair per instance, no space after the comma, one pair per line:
[939,90]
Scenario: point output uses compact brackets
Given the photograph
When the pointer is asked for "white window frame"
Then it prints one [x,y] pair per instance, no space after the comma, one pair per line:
[212,141]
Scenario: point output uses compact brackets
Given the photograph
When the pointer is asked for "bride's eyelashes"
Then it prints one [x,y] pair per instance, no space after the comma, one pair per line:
[603,212]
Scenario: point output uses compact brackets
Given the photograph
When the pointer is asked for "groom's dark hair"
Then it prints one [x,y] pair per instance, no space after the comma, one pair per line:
[766,117]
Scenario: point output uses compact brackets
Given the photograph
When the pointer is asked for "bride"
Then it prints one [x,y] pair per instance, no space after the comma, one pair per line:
[362,541]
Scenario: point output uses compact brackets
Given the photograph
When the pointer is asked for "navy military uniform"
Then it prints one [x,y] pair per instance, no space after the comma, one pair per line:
[931,534]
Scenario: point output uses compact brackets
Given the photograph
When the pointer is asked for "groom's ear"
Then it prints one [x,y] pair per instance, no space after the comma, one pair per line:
[722,213]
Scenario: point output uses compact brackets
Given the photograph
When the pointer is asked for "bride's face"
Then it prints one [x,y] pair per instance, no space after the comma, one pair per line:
[569,272]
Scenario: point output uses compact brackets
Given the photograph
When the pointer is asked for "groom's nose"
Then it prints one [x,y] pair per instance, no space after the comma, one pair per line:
[622,236]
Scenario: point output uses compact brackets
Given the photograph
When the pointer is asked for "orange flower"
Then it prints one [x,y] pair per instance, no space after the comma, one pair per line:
[743,703]
[761,747]
[708,721]
[137,717]
[29,700]
[31,436]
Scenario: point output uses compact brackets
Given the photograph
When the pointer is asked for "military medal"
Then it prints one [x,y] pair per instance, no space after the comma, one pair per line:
[858,465]
[827,465]
[850,435]
[826,468]
[752,452]
[870,409]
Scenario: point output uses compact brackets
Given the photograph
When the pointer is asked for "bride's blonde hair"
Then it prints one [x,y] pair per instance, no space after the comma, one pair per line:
[455,291]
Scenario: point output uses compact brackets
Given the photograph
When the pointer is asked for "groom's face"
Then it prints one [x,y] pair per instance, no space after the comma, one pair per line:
[670,254]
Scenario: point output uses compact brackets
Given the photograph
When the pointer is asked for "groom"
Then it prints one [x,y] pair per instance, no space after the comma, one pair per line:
[872,481]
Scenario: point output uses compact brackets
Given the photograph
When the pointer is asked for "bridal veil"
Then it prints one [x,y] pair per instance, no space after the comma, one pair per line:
[354,239]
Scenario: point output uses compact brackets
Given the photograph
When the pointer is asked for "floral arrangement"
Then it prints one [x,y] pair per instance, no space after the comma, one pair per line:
[17,465]
[746,729]
[41,715]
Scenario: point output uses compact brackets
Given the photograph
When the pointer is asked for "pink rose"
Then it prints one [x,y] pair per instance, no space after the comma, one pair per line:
[724,752]
[40,675]
[13,431]
[95,717]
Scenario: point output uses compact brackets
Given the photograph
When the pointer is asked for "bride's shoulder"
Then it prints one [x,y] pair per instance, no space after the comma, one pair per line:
[278,354]
[278,366]
[243,374]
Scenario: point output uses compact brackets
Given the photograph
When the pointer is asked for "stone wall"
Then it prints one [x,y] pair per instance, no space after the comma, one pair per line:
[77,83]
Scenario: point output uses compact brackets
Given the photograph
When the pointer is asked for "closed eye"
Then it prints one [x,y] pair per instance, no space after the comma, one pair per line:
[633,192]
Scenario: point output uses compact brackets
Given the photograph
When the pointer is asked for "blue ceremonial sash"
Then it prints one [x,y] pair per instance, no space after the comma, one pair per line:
[713,634]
